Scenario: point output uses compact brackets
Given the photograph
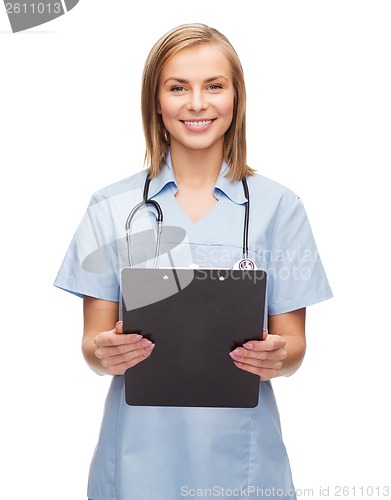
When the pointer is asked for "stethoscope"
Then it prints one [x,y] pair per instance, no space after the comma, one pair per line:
[244,264]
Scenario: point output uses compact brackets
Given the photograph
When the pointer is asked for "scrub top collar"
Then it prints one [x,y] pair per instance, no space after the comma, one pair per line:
[233,190]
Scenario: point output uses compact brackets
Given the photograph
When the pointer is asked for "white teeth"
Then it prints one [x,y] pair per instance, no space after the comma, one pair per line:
[198,124]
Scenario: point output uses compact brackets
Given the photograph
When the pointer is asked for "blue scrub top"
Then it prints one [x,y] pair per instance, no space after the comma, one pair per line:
[154,453]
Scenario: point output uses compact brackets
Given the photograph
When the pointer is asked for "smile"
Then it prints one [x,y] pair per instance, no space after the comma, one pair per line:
[198,123]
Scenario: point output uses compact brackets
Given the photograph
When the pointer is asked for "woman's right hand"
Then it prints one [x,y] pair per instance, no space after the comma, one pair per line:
[117,351]
[107,350]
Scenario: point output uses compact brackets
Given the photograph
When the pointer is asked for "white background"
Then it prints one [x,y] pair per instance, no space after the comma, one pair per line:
[319,79]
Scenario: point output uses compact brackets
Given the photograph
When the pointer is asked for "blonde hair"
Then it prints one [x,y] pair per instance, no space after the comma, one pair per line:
[156,137]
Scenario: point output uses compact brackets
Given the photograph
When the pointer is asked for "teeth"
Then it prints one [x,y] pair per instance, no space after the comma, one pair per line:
[198,124]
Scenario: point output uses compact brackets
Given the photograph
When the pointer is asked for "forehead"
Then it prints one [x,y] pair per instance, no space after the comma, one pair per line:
[197,63]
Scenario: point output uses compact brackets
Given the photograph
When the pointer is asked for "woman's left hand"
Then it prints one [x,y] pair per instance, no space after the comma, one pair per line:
[262,357]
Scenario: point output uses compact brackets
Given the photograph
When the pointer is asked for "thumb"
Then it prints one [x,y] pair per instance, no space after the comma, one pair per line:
[264,334]
[119,327]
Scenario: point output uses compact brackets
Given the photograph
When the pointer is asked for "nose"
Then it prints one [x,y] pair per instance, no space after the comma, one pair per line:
[197,101]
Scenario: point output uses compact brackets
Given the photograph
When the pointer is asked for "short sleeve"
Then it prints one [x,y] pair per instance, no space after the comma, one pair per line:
[296,277]
[90,265]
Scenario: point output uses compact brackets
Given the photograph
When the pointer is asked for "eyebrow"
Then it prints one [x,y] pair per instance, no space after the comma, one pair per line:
[208,80]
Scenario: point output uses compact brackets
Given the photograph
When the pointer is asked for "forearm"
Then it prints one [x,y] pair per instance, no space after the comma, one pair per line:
[295,348]
[99,316]
[291,327]
[88,349]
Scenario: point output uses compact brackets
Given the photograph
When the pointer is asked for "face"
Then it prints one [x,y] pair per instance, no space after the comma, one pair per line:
[196,97]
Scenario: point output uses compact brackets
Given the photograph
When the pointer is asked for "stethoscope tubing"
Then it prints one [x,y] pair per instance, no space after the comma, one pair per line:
[159,220]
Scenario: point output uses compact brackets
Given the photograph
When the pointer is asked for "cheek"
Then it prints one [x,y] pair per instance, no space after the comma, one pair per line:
[227,107]
[166,107]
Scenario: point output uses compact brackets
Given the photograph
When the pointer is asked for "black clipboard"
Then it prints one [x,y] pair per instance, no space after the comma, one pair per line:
[195,317]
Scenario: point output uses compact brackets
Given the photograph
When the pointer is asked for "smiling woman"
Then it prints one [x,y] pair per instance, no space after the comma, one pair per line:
[197,110]
[196,106]
[227,75]
[194,117]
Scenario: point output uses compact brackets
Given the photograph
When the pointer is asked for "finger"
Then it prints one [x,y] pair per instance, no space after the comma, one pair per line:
[257,345]
[263,373]
[111,338]
[131,337]
[107,351]
[268,364]
[250,356]
[119,327]
[117,365]
[130,355]
[260,359]
[270,343]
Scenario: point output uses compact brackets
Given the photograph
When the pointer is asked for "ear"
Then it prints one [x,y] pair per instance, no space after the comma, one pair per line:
[158,108]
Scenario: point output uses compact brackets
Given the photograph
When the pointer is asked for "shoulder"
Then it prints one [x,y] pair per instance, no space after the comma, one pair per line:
[133,183]
[265,190]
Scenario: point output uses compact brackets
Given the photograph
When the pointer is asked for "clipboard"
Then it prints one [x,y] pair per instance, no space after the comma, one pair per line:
[195,317]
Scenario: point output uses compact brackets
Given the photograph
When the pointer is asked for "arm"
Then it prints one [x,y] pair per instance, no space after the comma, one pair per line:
[106,349]
[280,353]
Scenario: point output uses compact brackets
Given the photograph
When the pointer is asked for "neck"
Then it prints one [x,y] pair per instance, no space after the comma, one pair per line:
[196,167]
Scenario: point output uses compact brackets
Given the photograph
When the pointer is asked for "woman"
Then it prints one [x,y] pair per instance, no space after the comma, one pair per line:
[193,107]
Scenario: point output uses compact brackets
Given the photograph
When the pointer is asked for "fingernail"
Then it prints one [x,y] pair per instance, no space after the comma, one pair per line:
[118,323]
[146,343]
[148,352]
[136,337]
[237,353]
[247,345]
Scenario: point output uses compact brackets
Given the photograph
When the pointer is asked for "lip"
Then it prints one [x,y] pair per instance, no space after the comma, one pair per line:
[198,125]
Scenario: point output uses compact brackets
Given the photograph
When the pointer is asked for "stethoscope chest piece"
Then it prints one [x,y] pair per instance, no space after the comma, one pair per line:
[245,265]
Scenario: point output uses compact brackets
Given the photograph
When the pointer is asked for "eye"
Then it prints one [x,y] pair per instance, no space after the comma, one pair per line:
[215,86]
[177,88]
